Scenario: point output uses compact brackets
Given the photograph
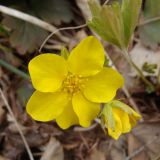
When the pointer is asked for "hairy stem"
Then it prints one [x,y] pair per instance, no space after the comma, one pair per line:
[138,70]
[125,90]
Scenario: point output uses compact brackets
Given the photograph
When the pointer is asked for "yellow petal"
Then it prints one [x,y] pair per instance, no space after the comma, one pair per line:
[46,106]
[87,58]
[117,131]
[47,72]
[85,110]
[126,126]
[134,117]
[68,117]
[135,114]
[102,87]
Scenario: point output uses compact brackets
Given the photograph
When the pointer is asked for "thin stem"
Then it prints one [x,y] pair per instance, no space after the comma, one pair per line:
[56,31]
[14,69]
[125,90]
[140,73]
[149,21]
[139,150]
[105,2]
[17,125]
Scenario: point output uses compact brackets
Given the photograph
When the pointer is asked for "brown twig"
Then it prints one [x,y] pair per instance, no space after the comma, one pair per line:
[149,21]
[105,2]
[31,19]
[17,125]
[81,129]
[56,31]
[135,153]
[157,157]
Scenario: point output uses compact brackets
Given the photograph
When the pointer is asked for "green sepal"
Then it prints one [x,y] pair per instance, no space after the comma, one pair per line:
[64,53]
[121,105]
[107,115]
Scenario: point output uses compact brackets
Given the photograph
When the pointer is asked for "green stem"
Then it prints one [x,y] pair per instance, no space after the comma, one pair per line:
[14,69]
[140,73]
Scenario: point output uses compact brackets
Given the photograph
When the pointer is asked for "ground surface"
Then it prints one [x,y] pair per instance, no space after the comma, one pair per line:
[46,140]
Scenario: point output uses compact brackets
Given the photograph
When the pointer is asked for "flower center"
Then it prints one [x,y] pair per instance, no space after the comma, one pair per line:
[73,83]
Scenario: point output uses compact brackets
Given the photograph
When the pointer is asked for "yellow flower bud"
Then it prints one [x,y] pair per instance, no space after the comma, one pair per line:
[119,118]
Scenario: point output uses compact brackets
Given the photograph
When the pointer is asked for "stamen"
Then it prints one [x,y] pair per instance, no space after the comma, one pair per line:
[73,83]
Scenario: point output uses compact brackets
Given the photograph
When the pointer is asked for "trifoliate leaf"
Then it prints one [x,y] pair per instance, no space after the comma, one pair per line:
[149,33]
[115,23]
[25,37]
[106,21]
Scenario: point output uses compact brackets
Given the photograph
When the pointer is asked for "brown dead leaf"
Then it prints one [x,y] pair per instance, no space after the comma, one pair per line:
[134,146]
[117,150]
[53,151]
[131,83]
[2,112]
[149,136]
[96,155]
[140,55]
[3,158]
[84,7]
[77,38]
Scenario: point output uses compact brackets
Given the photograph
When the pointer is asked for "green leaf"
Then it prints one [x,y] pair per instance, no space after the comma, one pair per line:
[106,62]
[25,37]
[149,33]
[149,68]
[64,53]
[112,16]
[53,11]
[95,7]
[3,30]
[152,8]
[24,92]
[107,22]
[115,23]
[130,13]
[149,89]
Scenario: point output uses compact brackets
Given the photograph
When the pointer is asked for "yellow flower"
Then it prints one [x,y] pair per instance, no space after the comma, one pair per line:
[71,90]
[119,118]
